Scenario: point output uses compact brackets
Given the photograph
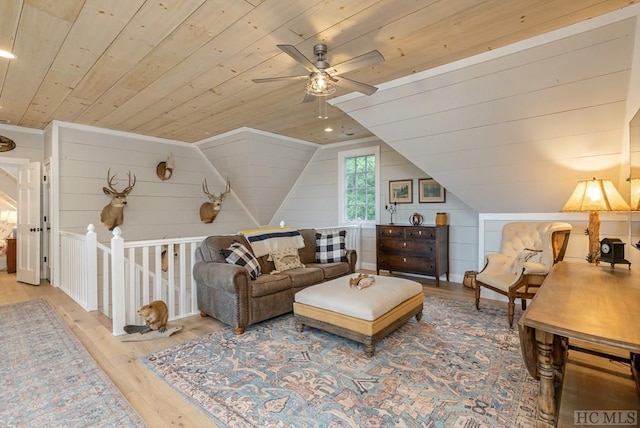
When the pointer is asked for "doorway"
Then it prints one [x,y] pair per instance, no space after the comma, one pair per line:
[30,240]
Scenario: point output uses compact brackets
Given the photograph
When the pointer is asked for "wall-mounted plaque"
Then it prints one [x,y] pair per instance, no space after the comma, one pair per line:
[6,144]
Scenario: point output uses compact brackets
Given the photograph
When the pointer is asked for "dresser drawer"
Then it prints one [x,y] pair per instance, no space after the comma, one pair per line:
[390,231]
[428,233]
[410,264]
[407,246]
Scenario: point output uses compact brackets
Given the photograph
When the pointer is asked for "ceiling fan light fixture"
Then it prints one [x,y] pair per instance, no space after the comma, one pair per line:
[320,85]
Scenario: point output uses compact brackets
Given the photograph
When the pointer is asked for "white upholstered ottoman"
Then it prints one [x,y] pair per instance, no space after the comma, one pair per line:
[365,315]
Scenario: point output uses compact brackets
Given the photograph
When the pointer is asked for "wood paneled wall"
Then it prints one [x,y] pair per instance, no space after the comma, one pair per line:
[261,166]
[314,202]
[155,208]
[513,130]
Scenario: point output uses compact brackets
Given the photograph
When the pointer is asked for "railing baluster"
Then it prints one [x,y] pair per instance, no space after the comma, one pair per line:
[118,292]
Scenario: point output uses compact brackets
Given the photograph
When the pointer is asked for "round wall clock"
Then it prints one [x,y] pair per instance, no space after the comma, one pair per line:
[6,144]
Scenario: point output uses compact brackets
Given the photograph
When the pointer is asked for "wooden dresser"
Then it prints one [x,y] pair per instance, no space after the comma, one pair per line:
[11,255]
[422,250]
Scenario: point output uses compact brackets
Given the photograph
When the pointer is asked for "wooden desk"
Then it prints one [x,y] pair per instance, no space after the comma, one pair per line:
[11,255]
[595,304]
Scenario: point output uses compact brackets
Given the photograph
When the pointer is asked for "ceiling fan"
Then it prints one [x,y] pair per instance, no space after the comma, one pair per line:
[323,78]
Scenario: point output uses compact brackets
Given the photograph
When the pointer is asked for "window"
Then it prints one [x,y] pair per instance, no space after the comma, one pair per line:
[359,172]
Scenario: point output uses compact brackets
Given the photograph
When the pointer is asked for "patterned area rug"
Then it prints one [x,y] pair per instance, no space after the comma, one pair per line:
[48,379]
[458,367]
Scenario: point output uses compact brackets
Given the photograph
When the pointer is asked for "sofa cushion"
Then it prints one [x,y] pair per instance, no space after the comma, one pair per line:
[269,284]
[305,277]
[239,255]
[331,247]
[286,259]
[332,270]
[308,253]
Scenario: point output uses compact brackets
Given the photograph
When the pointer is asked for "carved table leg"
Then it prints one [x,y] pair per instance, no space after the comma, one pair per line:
[546,411]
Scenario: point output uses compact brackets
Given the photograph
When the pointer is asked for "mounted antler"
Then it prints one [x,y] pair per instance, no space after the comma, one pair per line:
[209,210]
[112,214]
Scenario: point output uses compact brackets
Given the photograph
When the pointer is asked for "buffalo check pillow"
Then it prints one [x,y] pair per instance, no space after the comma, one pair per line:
[331,247]
[238,254]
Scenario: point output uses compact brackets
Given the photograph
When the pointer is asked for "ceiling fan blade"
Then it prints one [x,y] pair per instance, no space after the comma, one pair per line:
[301,59]
[364,60]
[356,86]
[279,79]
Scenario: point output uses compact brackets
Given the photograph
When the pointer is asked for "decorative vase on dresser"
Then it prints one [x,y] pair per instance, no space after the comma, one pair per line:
[422,250]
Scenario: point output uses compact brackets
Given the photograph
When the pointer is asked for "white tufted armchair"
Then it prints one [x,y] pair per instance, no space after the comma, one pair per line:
[527,253]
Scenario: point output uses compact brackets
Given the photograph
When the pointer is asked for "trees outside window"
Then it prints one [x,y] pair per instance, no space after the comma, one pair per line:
[359,172]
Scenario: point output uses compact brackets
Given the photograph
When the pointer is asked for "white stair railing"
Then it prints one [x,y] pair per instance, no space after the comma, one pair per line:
[138,277]
[77,277]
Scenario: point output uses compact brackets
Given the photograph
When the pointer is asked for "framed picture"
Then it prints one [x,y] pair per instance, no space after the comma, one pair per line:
[401,191]
[430,191]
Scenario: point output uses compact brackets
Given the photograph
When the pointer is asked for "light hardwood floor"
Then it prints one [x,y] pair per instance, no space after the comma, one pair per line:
[587,386]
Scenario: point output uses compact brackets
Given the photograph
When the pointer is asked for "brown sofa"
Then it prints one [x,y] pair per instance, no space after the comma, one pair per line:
[227,293]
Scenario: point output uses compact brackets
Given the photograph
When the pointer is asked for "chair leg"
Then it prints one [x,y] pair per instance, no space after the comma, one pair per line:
[512,311]
[524,304]
[477,296]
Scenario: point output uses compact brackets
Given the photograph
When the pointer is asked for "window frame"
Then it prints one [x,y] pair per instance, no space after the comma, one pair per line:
[342,156]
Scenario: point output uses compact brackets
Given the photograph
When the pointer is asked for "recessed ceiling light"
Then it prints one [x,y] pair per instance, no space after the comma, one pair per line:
[6,54]
[328,129]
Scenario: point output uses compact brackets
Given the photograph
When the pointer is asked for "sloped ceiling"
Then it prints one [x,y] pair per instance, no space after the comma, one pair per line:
[513,133]
[183,69]
[261,167]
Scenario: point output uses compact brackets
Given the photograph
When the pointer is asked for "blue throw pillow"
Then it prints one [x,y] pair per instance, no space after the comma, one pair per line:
[238,254]
[331,248]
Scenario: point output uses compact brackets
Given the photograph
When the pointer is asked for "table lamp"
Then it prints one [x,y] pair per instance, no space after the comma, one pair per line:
[635,193]
[595,195]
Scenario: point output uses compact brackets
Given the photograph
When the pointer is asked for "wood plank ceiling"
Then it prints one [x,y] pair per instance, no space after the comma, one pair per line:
[182,69]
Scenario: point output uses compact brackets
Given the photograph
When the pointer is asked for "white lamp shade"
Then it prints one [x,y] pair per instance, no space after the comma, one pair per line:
[12,217]
[595,195]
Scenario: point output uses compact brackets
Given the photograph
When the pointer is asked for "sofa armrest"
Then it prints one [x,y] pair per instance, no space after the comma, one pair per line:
[223,292]
[352,258]
[223,276]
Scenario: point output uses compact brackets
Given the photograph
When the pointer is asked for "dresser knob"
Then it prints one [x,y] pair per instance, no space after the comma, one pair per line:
[419,232]
[404,244]
[404,259]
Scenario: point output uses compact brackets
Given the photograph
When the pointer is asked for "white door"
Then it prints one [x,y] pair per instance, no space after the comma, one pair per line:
[29,227]
[46,222]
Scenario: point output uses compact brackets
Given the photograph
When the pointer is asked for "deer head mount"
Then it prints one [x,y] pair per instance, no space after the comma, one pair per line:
[112,214]
[164,256]
[209,210]
[164,170]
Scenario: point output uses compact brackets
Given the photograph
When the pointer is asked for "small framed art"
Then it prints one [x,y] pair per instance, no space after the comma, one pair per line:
[430,191]
[401,191]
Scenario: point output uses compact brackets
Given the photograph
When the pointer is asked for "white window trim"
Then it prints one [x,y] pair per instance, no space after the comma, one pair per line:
[373,150]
